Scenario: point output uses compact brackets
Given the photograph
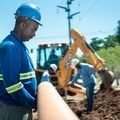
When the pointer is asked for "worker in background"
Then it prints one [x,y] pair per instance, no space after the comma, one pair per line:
[53,58]
[18,85]
[86,73]
[51,71]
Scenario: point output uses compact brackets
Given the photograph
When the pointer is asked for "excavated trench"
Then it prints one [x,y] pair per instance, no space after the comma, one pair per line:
[106,106]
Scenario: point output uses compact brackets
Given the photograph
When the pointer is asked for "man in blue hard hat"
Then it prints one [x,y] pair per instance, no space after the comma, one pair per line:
[18,85]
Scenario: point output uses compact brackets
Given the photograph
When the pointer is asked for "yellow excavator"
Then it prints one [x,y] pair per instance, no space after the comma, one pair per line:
[64,73]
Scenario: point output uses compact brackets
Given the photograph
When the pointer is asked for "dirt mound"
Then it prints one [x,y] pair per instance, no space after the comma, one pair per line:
[106,107]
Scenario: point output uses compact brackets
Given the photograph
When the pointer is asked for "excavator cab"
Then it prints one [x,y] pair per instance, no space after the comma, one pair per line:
[49,54]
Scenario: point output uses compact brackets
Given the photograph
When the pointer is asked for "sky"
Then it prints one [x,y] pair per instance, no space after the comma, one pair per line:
[97,18]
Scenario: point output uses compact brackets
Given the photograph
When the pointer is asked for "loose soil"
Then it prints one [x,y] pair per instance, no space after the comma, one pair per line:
[106,106]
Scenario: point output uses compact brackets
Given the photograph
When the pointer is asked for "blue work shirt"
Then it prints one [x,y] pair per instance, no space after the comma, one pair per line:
[18,85]
[86,73]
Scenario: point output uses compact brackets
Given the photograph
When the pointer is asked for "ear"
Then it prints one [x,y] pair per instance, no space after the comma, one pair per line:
[22,25]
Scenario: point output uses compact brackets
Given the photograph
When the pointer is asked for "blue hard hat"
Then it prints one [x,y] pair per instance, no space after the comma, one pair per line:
[30,11]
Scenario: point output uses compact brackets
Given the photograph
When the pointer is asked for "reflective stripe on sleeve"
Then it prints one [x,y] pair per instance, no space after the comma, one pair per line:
[27,75]
[1,78]
[23,76]
[14,87]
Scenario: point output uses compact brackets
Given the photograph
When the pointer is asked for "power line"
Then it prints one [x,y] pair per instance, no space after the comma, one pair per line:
[89,9]
[86,12]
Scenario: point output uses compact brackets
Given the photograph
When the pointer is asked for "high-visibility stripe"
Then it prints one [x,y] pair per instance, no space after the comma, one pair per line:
[1,78]
[27,75]
[23,76]
[14,87]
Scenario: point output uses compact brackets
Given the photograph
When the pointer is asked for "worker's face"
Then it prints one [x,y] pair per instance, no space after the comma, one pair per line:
[78,66]
[51,72]
[29,29]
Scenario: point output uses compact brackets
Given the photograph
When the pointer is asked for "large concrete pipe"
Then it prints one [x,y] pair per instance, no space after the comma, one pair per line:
[51,106]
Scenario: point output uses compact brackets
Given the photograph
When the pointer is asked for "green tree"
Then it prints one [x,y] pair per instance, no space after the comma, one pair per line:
[96,43]
[118,33]
[112,58]
[110,41]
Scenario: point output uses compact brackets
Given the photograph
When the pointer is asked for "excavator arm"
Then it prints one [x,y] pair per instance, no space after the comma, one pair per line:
[90,55]
[64,74]
[65,71]
[93,58]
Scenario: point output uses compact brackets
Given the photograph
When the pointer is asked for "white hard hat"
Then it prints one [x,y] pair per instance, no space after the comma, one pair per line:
[74,62]
[54,67]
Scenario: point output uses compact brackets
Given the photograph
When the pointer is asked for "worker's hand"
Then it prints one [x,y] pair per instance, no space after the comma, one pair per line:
[70,84]
[35,110]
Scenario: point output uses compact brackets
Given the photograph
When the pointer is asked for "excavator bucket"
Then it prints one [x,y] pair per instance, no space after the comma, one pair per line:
[107,79]
[93,58]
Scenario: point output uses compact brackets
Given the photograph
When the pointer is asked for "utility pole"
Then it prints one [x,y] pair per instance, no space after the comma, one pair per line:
[69,17]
